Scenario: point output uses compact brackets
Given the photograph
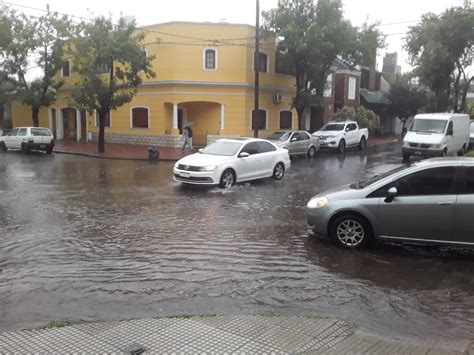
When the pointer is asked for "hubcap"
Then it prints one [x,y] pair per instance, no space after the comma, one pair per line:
[311,152]
[228,179]
[279,171]
[350,233]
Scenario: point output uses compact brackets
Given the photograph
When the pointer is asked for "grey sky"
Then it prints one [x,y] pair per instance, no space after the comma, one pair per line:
[243,11]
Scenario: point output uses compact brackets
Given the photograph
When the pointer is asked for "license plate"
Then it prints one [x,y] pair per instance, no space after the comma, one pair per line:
[418,152]
[185,175]
[42,146]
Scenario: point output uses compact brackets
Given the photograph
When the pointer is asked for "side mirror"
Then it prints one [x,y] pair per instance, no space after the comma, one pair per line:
[391,193]
[244,155]
[200,150]
[347,129]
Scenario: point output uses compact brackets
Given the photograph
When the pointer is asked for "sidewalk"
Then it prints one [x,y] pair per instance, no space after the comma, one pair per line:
[140,152]
[220,335]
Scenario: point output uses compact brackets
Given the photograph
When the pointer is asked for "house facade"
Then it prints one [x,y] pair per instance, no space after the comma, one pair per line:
[204,75]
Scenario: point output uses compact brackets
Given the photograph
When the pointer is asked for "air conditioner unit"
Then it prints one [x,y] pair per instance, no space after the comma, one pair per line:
[278,98]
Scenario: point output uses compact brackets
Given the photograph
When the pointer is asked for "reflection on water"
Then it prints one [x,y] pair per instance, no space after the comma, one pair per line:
[86,239]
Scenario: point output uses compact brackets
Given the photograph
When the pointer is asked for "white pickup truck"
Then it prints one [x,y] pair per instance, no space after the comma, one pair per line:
[28,138]
[340,135]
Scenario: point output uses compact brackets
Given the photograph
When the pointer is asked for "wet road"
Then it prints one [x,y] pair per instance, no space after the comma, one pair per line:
[84,239]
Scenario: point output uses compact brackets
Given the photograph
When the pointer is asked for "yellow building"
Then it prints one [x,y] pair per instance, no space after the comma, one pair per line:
[205,75]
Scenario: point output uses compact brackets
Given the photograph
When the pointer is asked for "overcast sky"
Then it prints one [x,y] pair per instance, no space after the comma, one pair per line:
[243,11]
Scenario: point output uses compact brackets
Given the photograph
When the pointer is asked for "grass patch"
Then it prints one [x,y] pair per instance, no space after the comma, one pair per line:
[470,153]
[58,324]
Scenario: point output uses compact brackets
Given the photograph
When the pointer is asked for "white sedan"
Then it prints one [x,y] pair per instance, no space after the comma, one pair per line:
[228,161]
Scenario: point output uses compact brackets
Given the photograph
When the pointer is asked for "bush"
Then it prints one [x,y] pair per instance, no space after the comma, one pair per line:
[470,110]
[364,118]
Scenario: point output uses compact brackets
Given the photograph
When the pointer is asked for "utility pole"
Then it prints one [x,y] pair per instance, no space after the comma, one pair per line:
[256,60]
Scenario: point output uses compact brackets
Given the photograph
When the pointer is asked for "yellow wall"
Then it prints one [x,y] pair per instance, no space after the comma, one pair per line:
[22,116]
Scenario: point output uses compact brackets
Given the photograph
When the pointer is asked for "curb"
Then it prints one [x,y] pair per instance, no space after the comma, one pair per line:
[91,155]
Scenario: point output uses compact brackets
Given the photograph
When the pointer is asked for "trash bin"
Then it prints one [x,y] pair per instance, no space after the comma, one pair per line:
[153,153]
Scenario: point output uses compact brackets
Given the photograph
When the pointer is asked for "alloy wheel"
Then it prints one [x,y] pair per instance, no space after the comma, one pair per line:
[350,233]
[279,171]
[227,179]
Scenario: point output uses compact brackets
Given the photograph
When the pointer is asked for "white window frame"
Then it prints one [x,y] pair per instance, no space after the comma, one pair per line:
[131,117]
[279,119]
[96,119]
[351,88]
[204,58]
[62,69]
[266,119]
[268,61]
[328,88]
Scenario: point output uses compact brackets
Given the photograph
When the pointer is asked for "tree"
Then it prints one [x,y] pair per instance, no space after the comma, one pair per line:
[406,101]
[441,47]
[311,37]
[111,62]
[41,38]
[365,118]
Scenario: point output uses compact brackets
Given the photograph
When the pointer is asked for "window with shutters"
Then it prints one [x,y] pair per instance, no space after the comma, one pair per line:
[262,61]
[210,58]
[259,119]
[66,69]
[140,117]
[286,119]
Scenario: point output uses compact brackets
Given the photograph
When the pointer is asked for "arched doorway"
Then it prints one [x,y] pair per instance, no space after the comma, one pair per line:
[69,123]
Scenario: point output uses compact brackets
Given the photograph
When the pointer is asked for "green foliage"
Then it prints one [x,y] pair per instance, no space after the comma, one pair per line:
[20,37]
[312,37]
[406,101]
[470,110]
[118,48]
[441,47]
[364,118]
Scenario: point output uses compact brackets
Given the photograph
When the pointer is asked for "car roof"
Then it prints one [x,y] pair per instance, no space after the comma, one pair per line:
[445,161]
[242,140]
[440,116]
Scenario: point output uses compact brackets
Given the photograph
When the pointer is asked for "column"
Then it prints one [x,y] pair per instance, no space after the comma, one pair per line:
[222,117]
[78,125]
[175,116]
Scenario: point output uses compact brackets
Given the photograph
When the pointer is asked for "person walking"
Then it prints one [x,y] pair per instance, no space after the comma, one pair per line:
[188,137]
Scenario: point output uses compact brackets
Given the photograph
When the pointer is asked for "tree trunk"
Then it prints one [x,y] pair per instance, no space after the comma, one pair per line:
[300,112]
[35,116]
[2,113]
[101,146]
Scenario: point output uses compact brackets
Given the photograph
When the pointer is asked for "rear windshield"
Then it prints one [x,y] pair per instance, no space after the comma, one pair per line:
[40,132]
[428,126]
[333,127]
[222,148]
[282,136]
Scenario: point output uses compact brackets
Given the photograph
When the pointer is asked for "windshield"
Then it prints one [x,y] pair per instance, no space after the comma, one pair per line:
[333,127]
[428,126]
[281,136]
[40,132]
[376,178]
[222,148]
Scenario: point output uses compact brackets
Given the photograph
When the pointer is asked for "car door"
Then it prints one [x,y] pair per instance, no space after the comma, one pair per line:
[351,134]
[21,137]
[248,168]
[450,141]
[464,210]
[267,158]
[423,208]
[10,140]
[293,143]
[303,142]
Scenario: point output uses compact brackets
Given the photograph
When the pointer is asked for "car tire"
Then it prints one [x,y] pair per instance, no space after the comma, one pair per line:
[462,151]
[24,149]
[445,152]
[3,147]
[278,171]
[351,231]
[311,152]
[227,179]
[362,144]
[341,148]
[49,150]
[406,156]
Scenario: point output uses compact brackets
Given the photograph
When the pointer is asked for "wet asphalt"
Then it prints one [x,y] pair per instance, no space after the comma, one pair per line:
[85,239]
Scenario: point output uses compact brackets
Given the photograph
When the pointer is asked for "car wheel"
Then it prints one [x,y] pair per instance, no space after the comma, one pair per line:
[3,147]
[342,146]
[406,156]
[227,179]
[462,151]
[279,171]
[351,231]
[49,150]
[24,149]
[445,152]
[311,152]
[362,144]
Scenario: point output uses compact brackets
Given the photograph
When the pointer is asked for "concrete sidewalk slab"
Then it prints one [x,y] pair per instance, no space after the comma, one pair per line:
[219,335]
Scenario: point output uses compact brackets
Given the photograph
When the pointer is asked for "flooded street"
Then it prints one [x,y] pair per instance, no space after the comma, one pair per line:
[86,239]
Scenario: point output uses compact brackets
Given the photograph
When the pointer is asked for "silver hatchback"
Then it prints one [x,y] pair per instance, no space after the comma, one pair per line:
[431,201]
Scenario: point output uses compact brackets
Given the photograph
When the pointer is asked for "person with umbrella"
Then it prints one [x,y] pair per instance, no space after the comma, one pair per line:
[188,136]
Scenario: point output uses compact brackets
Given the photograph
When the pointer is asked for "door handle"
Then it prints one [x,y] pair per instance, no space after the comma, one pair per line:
[445,203]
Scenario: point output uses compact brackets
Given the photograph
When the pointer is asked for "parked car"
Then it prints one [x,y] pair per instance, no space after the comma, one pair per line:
[340,135]
[471,135]
[437,134]
[228,161]
[28,138]
[431,201]
[297,142]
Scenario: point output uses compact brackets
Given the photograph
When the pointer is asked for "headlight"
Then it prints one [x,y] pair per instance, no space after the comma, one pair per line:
[176,166]
[436,146]
[406,144]
[207,168]
[318,202]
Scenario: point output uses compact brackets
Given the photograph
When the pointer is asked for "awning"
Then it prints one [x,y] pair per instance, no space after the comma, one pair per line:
[375,97]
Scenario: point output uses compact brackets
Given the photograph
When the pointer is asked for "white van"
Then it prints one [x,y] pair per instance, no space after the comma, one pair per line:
[437,134]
